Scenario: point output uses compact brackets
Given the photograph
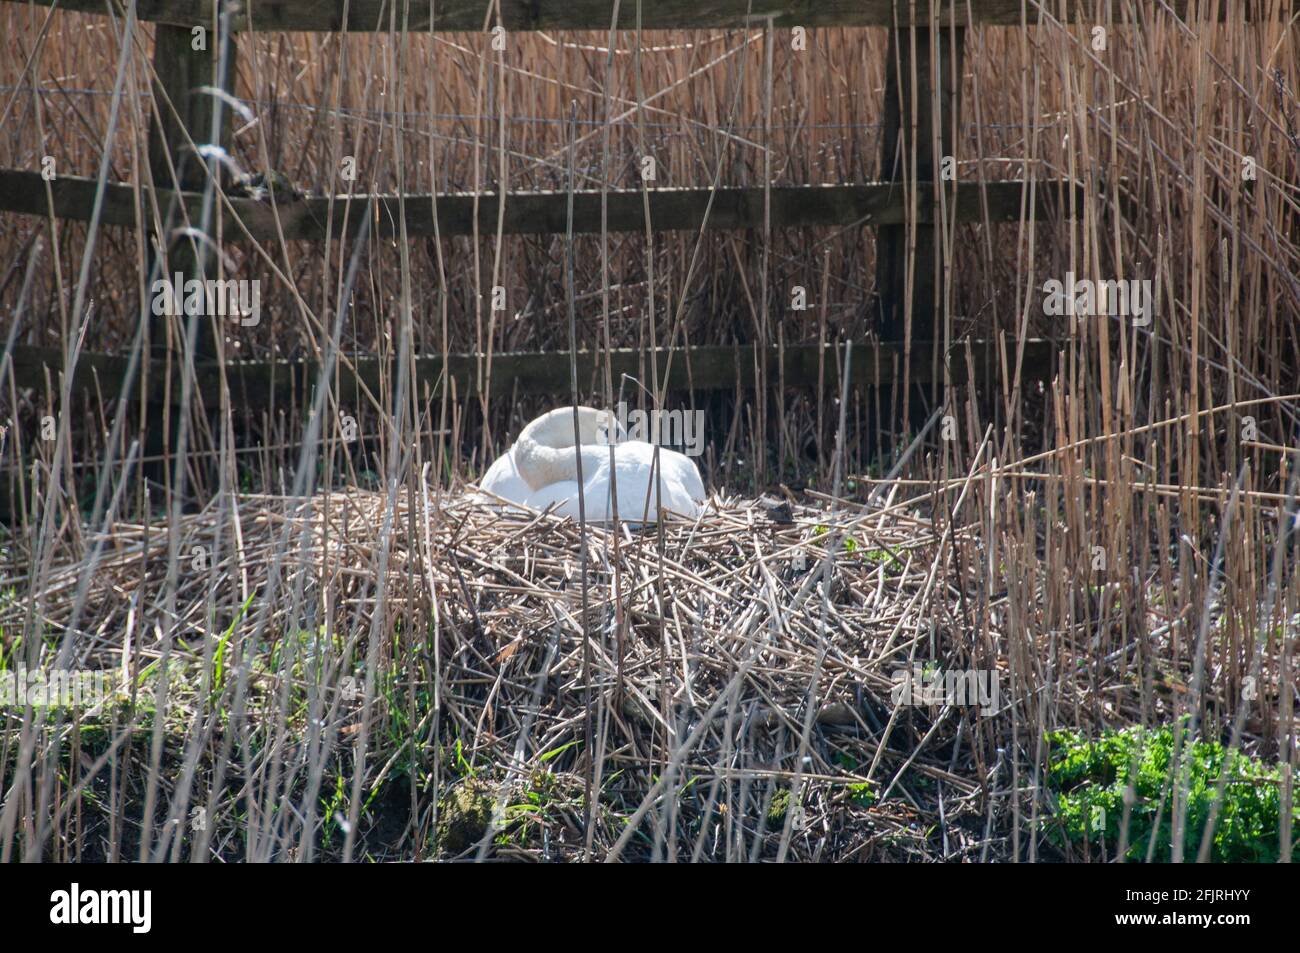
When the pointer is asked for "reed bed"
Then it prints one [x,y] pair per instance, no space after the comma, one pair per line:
[721,689]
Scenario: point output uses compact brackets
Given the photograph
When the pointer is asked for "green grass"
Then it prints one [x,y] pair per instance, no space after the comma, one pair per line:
[1087,780]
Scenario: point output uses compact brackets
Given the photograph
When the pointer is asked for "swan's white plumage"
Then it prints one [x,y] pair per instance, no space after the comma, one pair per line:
[680,489]
[540,471]
[502,479]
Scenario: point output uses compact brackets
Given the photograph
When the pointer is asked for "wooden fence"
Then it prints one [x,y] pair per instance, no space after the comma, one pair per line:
[882,205]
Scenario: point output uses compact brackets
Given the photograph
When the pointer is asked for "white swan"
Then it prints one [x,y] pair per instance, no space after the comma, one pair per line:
[541,470]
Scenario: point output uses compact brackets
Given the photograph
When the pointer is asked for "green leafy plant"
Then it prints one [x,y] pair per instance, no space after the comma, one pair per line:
[1087,780]
[778,808]
[862,794]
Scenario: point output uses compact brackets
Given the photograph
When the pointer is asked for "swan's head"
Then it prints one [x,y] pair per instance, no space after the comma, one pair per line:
[600,427]
[544,452]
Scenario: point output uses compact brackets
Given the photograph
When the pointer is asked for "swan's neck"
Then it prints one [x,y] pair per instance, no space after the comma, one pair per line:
[545,452]
[541,465]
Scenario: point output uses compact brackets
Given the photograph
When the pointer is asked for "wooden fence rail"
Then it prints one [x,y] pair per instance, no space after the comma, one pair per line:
[453,16]
[703,368]
[538,213]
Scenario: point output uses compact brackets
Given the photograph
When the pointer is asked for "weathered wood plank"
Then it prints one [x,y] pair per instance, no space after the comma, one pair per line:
[101,373]
[181,72]
[185,114]
[470,15]
[535,213]
[707,368]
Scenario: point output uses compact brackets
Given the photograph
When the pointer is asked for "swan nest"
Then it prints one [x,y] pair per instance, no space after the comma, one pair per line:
[735,674]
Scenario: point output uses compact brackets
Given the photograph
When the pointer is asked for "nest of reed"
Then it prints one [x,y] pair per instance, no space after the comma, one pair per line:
[722,688]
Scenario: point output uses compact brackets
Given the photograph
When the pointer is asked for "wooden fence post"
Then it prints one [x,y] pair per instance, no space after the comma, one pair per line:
[182,72]
[896,149]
